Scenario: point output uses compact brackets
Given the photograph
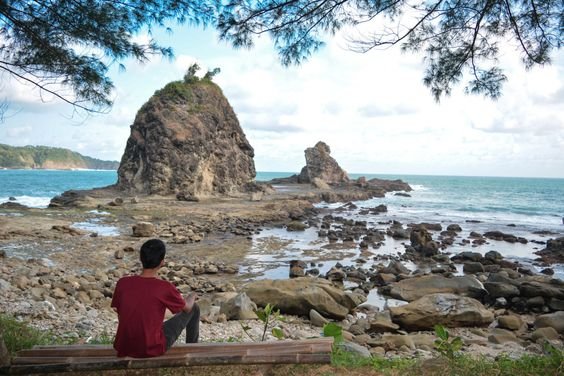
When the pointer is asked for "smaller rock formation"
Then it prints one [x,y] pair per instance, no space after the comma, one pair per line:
[320,165]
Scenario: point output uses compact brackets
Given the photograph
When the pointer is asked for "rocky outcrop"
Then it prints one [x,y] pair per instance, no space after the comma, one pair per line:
[186,139]
[298,296]
[320,165]
[554,251]
[445,309]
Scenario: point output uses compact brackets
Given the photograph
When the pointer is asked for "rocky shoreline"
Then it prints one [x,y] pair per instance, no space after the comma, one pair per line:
[66,281]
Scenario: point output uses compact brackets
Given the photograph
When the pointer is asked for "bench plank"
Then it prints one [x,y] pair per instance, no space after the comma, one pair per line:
[311,345]
[76,358]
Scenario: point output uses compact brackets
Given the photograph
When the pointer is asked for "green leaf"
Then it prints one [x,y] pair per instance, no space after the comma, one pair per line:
[278,333]
[333,330]
[261,314]
[441,332]
[456,344]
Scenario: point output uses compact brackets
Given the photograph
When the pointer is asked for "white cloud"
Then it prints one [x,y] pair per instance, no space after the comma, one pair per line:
[372,109]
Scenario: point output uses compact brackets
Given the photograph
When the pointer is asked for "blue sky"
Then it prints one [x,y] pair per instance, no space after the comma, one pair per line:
[372,109]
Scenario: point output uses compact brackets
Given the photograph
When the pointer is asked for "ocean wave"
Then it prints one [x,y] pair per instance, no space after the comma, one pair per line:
[418,187]
[32,202]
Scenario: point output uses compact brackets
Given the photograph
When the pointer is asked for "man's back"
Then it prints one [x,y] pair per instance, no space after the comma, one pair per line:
[141,304]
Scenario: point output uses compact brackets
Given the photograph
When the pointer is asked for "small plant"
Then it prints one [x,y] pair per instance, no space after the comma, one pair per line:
[269,316]
[445,345]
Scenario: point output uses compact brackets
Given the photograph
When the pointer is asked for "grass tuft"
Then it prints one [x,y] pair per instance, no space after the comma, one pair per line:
[19,335]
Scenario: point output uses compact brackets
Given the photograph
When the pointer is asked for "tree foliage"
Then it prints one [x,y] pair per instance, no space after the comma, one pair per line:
[457,37]
[70,44]
[65,47]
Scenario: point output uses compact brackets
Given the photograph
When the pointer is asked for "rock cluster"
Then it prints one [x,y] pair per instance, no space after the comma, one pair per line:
[186,139]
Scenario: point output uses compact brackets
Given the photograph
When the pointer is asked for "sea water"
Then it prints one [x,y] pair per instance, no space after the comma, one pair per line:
[530,203]
[35,188]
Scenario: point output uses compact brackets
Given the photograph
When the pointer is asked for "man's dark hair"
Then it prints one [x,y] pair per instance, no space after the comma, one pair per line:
[152,253]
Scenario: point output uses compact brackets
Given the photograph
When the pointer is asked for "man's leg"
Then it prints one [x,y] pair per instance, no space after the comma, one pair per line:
[176,324]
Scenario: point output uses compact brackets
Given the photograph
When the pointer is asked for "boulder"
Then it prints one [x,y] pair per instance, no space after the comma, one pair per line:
[13,206]
[493,256]
[422,242]
[355,348]
[546,290]
[552,320]
[544,334]
[395,268]
[556,304]
[298,296]
[381,323]
[501,336]
[143,230]
[336,274]
[320,165]
[297,268]
[454,227]
[240,307]
[472,267]
[446,309]
[296,226]
[393,342]
[467,256]
[554,251]
[316,318]
[187,139]
[414,288]
[511,322]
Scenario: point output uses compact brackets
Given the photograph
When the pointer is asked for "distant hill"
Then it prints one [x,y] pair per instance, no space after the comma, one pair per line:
[44,157]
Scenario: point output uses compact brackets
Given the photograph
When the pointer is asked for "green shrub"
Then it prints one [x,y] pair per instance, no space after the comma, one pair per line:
[446,345]
[18,335]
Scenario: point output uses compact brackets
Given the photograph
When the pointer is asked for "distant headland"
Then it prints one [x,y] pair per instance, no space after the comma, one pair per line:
[45,157]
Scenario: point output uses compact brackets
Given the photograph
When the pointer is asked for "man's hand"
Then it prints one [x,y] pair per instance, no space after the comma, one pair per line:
[190,300]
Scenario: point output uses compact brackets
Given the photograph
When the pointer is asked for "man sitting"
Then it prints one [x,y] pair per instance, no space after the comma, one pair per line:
[141,301]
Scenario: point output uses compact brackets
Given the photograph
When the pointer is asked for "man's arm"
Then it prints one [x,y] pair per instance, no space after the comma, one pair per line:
[190,301]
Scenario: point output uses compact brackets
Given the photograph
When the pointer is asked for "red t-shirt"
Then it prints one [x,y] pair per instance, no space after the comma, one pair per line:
[141,304]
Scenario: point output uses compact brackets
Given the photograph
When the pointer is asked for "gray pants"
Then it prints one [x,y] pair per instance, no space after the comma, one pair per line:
[176,324]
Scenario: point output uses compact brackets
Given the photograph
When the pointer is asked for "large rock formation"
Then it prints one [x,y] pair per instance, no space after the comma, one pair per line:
[320,165]
[186,139]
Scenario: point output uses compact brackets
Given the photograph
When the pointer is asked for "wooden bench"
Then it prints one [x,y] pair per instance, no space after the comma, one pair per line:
[76,358]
